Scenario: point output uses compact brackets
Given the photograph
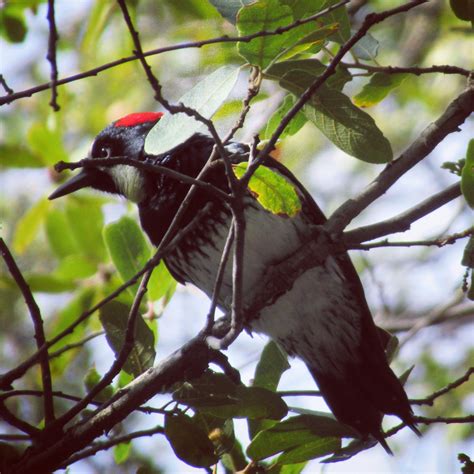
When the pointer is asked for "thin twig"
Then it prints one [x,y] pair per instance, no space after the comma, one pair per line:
[118,362]
[403,221]
[35,314]
[439,242]
[454,115]
[149,167]
[21,425]
[187,45]
[451,386]
[218,280]
[51,56]
[418,71]
[75,345]
[104,445]
[4,84]
[369,21]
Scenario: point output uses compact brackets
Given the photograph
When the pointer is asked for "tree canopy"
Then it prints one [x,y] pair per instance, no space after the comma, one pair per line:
[367,101]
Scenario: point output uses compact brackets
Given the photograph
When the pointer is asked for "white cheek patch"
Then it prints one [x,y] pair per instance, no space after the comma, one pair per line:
[129,182]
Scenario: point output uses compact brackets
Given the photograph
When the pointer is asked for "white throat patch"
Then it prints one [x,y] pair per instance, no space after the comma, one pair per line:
[129,181]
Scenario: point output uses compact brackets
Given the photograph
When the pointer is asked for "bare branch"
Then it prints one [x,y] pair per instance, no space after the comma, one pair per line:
[455,114]
[369,21]
[192,44]
[35,314]
[149,167]
[403,221]
[4,84]
[104,445]
[51,56]
[418,71]
[439,242]
[456,383]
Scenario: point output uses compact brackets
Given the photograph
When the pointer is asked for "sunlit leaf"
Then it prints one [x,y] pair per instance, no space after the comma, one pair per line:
[205,97]
[379,86]
[265,15]
[274,192]
[85,219]
[29,225]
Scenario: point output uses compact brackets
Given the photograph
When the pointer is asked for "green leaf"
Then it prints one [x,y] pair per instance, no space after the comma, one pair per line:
[311,450]
[348,127]
[75,267]
[114,318]
[127,247]
[229,8]
[80,303]
[294,432]
[294,126]
[189,441]
[60,236]
[91,379]
[205,97]
[264,15]
[40,283]
[19,156]
[122,452]
[28,226]
[46,143]
[467,175]
[366,48]
[314,40]
[305,8]
[161,284]
[273,191]
[85,220]
[379,86]
[217,395]
[273,362]
[298,74]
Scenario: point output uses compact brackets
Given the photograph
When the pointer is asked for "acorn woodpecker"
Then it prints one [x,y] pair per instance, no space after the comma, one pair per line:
[323,318]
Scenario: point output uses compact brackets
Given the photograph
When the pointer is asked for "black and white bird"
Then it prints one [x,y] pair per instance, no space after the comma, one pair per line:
[323,318]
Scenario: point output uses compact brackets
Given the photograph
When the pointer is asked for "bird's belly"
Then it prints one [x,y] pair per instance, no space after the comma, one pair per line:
[316,319]
[268,239]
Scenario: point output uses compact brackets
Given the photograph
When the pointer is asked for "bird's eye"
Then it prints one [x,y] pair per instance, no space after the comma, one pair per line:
[104,152]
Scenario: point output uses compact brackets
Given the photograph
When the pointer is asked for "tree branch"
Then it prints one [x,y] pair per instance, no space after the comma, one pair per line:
[51,56]
[35,314]
[455,114]
[403,221]
[417,71]
[456,383]
[192,44]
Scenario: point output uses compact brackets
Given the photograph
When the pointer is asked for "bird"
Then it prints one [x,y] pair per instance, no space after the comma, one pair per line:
[324,318]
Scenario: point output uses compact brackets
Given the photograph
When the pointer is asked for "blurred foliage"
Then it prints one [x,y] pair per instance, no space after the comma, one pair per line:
[71,263]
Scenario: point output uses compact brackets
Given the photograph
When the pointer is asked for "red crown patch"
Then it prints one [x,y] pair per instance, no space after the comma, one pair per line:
[131,120]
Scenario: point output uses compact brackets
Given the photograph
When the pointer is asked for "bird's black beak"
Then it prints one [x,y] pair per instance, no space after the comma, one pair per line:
[82,180]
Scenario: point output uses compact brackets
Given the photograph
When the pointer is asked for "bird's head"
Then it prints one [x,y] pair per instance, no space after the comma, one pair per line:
[122,138]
